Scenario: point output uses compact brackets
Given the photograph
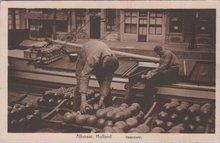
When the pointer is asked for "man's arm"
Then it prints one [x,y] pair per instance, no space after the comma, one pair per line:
[83,87]
[164,64]
[79,68]
[84,80]
[105,87]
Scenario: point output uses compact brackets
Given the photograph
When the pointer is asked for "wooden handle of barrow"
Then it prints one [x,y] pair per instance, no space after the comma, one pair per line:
[150,110]
[54,110]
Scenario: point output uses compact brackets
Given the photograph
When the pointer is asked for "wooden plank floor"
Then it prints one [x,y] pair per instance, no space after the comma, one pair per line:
[124,66]
[64,64]
[203,72]
[189,66]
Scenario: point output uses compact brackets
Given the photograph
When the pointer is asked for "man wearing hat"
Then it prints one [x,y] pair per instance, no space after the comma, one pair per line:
[168,68]
[96,58]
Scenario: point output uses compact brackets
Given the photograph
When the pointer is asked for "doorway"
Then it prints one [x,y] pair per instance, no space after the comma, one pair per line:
[95,27]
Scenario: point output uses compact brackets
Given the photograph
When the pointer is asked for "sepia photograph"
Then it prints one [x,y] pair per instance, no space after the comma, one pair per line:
[109,72]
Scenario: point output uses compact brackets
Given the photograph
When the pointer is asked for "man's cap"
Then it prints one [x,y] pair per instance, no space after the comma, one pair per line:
[110,64]
[158,48]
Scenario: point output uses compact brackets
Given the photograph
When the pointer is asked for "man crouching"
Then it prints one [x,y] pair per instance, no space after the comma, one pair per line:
[96,58]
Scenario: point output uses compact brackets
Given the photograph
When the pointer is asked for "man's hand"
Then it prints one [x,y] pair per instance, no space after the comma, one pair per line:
[84,107]
[143,76]
[101,106]
[101,102]
[146,75]
[149,74]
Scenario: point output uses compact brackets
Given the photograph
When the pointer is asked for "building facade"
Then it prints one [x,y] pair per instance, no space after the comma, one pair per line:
[184,26]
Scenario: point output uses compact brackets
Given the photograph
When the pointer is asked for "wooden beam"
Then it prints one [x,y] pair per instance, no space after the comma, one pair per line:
[68,43]
[193,86]
[184,67]
[202,94]
[148,64]
[137,56]
[71,80]
[116,52]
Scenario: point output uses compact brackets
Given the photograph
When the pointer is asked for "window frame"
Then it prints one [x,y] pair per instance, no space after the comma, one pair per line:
[110,20]
[14,19]
[131,26]
[179,23]
[155,26]
[80,15]
[203,22]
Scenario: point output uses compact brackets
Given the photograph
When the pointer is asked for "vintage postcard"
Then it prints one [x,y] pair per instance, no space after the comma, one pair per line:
[109,71]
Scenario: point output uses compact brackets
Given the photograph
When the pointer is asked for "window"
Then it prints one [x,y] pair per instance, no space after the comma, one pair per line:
[143,21]
[80,18]
[110,19]
[61,26]
[130,21]
[156,18]
[10,20]
[203,15]
[13,19]
[41,22]
[36,28]
[203,26]
[176,22]
[17,19]
[143,13]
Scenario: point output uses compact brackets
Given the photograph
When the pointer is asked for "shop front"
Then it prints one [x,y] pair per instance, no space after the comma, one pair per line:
[143,25]
[191,27]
